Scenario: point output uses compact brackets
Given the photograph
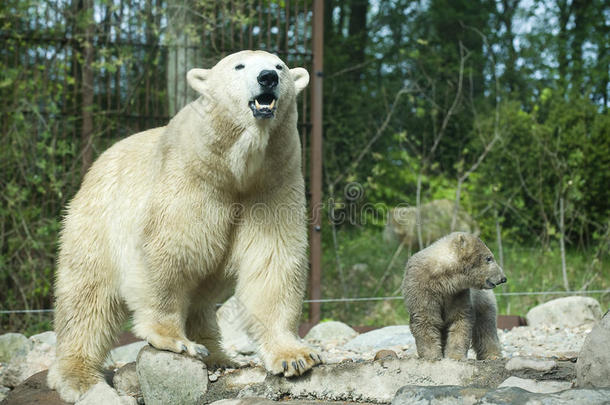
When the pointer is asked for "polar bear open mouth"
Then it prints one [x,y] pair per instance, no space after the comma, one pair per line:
[263,105]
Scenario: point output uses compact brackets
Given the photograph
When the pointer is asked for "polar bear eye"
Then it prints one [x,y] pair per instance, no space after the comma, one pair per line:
[278,67]
[239,67]
[489,259]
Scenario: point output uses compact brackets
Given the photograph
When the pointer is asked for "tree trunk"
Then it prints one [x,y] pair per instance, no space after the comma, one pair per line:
[562,244]
[420,239]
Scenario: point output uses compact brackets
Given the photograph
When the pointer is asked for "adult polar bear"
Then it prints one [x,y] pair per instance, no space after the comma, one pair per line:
[154,229]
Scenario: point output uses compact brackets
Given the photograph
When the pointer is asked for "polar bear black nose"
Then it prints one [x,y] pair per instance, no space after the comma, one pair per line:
[268,78]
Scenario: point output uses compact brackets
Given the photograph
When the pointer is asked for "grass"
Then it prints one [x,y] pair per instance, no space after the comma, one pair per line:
[364,258]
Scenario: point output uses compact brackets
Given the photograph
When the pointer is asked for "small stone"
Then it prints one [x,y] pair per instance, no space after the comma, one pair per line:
[385,354]
[4,392]
[213,377]
[519,363]
[545,387]
[126,382]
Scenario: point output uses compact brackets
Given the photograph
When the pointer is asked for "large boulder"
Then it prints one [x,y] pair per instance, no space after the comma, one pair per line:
[27,362]
[102,393]
[13,345]
[436,219]
[49,338]
[171,378]
[331,331]
[454,395]
[593,364]
[565,312]
[388,337]
[531,385]
[119,356]
[231,325]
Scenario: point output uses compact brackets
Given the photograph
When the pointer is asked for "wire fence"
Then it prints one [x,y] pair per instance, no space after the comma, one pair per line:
[364,299]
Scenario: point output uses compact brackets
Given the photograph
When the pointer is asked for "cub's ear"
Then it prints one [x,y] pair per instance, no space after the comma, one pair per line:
[196,78]
[300,78]
[462,240]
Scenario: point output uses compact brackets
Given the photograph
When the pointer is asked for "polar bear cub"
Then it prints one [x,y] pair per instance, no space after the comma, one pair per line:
[447,289]
[173,220]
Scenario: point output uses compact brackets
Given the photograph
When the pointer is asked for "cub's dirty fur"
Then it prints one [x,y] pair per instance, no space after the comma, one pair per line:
[447,290]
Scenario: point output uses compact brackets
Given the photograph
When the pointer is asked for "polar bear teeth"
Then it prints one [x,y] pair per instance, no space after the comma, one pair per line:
[269,106]
[264,105]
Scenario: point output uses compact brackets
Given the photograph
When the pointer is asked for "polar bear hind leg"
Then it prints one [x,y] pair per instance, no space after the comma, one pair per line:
[87,322]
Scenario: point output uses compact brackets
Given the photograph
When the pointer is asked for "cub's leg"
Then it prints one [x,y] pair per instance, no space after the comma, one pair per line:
[485,333]
[202,325]
[270,253]
[426,326]
[459,326]
[88,317]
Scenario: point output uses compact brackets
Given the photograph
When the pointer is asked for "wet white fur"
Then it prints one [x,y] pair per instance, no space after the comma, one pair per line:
[164,227]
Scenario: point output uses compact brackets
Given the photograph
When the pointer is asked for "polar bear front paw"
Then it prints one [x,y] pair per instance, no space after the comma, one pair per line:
[293,361]
[185,346]
[220,360]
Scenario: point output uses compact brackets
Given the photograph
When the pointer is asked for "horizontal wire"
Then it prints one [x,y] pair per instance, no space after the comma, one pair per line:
[358,299]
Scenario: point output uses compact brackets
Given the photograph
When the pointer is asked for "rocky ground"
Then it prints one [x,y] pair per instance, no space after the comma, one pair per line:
[380,366]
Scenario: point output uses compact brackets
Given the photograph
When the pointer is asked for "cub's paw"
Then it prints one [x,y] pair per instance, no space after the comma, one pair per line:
[293,361]
[219,360]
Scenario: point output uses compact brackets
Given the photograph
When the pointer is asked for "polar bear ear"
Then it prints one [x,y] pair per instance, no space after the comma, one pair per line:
[300,78]
[196,79]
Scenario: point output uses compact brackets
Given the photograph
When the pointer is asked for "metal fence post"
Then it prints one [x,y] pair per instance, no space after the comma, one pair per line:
[316,161]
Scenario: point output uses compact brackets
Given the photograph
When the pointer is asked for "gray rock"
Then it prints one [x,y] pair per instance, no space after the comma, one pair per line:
[231,325]
[49,338]
[125,381]
[398,335]
[565,312]
[13,345]
[170,378]
[331,331]
[119,356]
[453,395]
[520,363]
[372,381]
[513,395]
[443,395]
[102,393]
[22,367]
[593,364]
[530,385]
[4,392]
[436,218]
